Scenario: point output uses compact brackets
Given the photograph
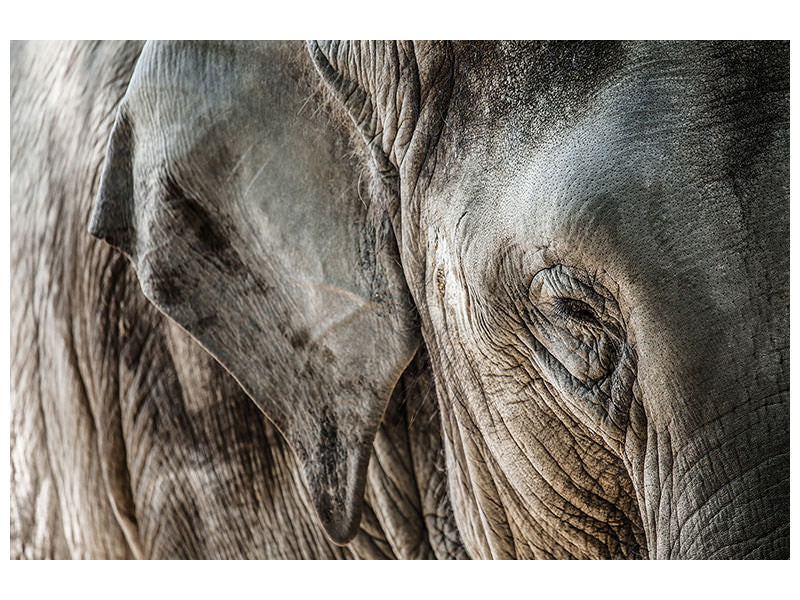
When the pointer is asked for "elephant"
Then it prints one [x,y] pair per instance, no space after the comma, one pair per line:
[401,299]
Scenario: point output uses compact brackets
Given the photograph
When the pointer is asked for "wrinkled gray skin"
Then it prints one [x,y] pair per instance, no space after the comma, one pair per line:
[582,247]
[127,438]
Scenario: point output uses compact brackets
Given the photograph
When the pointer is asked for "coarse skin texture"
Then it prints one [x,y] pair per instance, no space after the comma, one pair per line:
[495,300]
[127,438]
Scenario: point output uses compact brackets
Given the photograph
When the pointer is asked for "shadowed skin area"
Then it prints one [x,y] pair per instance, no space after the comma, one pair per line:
[608,279]
[596,238]
[495,300]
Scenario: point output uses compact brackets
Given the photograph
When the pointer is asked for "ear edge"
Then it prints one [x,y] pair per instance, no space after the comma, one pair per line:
[339,507]
[112,219]
[340,512]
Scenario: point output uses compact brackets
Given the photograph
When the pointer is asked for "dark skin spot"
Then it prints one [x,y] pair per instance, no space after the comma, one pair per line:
[207,322]
[192,216]
[328,453]
[300,339]
[328,355]
[328,443]
[208,235]
[168,286]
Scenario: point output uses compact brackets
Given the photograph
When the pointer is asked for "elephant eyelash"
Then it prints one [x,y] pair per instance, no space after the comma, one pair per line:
[574,310]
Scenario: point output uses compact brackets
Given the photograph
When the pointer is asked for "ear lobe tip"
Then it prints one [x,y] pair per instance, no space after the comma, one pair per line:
[337,492]
[114,236]
[109,220]
[95,227]
[340,517]
[342,531]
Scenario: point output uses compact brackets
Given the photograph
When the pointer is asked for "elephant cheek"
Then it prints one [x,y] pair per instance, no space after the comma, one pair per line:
[719,489]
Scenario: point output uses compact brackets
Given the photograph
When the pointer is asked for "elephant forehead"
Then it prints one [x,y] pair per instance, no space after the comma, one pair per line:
[643,191]
[632,181]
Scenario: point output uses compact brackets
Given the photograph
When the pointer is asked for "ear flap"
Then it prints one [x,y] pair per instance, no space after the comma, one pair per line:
[236,193]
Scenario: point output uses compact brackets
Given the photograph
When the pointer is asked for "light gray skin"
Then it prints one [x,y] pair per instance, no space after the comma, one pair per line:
[586,245]
[127,438]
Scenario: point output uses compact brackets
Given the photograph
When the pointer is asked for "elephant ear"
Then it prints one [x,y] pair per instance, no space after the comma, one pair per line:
[238,192]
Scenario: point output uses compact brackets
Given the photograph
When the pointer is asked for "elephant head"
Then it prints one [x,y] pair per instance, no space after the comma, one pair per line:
[591,241]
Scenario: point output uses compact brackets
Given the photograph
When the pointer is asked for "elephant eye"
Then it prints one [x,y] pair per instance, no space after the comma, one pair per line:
[571,309]
[576,320]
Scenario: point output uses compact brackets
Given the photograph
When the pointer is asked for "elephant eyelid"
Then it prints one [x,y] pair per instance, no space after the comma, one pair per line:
[575,310]
[572,298]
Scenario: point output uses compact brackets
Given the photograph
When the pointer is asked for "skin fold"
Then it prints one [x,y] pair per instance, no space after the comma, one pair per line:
[400,300]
